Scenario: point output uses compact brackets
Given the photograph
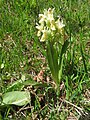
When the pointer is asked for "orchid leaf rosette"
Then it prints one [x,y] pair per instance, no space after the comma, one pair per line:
[51,31]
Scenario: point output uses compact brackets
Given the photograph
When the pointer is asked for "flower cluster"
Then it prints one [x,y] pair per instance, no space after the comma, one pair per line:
[48,27]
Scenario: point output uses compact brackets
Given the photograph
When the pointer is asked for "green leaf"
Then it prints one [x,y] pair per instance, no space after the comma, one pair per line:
[60,70]
[52,57]
[83,58]
[18,98]
[63,50]
[64,47]
[17,85]
[34,83]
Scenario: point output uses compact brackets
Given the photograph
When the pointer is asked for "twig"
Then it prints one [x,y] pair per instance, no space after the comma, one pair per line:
[79,110]
[24,109]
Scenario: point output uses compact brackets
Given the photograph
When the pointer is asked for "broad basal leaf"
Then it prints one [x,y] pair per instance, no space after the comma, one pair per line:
[19,98]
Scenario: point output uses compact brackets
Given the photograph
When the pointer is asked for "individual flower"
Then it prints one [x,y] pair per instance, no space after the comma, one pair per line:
[44,36]
[39,33]
[52,27]
[59,24]
[50,14]
[40,27]
[42,18]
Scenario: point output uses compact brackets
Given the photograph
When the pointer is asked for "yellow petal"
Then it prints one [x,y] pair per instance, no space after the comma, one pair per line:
[50,14]
[39,33]
[40,27]
[44,36]
[42,18]
[52,27]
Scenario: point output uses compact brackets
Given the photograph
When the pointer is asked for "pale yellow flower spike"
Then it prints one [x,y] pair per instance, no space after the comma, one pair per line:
[47,26]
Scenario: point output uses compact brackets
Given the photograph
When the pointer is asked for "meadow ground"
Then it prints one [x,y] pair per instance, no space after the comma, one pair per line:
[26,85]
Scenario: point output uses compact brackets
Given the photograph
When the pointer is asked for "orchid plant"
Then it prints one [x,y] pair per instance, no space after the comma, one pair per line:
[51,31]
